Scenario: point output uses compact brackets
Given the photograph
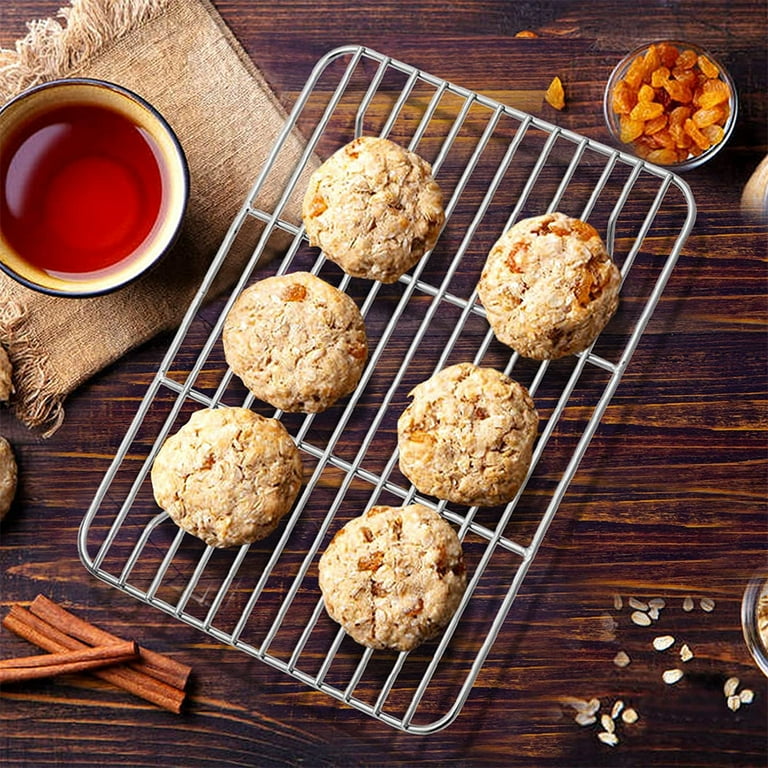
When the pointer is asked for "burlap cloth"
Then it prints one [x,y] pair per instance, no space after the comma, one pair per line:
[181,57]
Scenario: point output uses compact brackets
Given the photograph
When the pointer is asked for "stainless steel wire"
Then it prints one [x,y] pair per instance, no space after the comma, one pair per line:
[496,164]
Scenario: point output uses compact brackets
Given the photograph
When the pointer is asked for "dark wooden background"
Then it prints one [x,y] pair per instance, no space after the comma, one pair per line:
[670,499]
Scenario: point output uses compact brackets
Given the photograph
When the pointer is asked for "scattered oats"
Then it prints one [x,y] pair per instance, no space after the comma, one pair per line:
[731,684]
[593,706]
[607,723]
[629,716]
[608,738]
[707,604]
[734,702]
[582,718]
[657,603]
[662,642]
[618,603]
[580,705]
[638,604]
[653,613]
[671,676]
[621,659]
[686,654]
[688,604]
[640,618]
[747,695]
[617,707]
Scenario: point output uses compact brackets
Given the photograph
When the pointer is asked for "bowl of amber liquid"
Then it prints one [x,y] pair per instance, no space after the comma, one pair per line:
[670,103]
[93,187]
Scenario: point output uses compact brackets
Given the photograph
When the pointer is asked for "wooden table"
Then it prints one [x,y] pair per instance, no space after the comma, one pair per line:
[668,502]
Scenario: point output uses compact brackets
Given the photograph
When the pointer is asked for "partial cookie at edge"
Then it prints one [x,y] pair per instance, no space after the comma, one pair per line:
[8,477]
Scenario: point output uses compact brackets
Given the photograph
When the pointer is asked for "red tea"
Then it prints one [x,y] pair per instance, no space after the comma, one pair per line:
[82,188]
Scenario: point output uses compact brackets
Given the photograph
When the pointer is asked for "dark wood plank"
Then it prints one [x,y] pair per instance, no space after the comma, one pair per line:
[669,501]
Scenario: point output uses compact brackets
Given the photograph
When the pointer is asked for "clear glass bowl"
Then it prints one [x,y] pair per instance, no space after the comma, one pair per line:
[754,619]
[670,134]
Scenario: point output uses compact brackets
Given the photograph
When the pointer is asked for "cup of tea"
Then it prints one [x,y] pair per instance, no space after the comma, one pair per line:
[93,187]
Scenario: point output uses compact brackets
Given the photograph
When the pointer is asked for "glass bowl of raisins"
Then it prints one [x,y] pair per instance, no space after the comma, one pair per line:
[671,103]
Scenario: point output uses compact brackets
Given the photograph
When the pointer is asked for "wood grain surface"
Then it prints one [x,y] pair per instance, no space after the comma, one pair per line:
[670,500]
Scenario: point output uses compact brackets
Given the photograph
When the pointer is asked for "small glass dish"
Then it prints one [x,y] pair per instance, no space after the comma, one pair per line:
[684,113]
[754,619]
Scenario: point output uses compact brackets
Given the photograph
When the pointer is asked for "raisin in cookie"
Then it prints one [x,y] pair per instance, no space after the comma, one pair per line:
[373,208]
[227,476]
[549,286]
[393,577]
[468,435]
[8,477]
[297,342]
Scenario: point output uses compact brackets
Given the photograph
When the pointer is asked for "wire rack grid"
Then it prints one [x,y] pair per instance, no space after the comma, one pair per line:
[495,164]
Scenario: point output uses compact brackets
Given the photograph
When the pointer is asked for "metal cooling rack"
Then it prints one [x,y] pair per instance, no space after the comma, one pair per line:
[496,164]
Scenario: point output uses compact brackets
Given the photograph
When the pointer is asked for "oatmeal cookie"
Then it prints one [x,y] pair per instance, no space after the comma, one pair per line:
[6,377]
[373,208]
[468,435]
[549,286]
[8,477]
[393,577]
[297,342]
[227,476]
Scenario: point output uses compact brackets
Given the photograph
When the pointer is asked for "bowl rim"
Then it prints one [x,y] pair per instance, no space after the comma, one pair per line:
[611,118]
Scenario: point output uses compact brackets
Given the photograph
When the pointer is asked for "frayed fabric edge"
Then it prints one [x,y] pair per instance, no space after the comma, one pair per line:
[36,402]
[56,47]
[53,48]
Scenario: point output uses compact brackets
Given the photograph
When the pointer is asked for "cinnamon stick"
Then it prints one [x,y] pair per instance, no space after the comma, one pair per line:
[39,632]
[151,663]
[64,662]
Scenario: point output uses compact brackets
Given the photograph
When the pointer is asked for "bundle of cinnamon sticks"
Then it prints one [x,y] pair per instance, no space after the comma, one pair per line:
[75,645]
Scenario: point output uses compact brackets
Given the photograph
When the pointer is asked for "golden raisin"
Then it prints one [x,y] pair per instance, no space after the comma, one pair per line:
[708,68]
[646,110]
[295,292]
[645,93]
[655,125]
[704,117]
[630,129]
[678,91]
[687,59]
[665,156]
[370,562]
[712,92]
[698,137]
[668,54]
[624,98]
[555,94]
[659,77]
